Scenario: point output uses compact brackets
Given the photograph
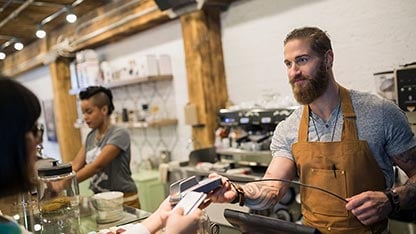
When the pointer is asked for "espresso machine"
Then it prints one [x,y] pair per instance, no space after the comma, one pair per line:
[246,134]
[405,89]
[399,86]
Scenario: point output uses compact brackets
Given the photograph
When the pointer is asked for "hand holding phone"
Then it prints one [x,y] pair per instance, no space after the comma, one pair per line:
[191,201]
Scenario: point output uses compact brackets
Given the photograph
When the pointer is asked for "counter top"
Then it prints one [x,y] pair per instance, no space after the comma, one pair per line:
[85,219]
[88,219]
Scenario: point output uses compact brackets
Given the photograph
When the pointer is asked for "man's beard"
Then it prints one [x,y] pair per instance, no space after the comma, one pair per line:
[313,88]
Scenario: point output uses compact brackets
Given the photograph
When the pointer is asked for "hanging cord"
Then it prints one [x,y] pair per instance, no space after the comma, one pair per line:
[294,182]
[300,184]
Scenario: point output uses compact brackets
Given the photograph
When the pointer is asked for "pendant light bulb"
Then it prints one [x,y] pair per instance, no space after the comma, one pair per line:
[70,17]
[40,32]
[18,45]
[2,55]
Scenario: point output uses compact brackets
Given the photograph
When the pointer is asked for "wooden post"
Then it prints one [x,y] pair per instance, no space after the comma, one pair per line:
[207,88]
[69,137]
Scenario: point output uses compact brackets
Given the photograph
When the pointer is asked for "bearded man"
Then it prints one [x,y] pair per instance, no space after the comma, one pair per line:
[343,141]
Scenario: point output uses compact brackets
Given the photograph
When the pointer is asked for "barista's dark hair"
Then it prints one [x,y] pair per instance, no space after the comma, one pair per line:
[19,111]
[318,39]
[100,97]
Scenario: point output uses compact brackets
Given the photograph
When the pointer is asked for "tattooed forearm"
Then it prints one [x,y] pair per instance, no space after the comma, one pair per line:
[260,196]
[407,192]
[405,158]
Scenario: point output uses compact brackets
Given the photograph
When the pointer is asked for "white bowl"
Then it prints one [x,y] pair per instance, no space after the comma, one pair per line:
[108,200]
[109,216]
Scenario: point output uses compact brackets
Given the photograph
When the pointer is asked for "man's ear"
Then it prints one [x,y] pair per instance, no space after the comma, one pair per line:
[329,59]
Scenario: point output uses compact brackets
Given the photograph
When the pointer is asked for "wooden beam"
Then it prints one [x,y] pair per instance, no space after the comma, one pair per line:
[205,71]
[107,24]
[69,138]
[27,59]
[130,18]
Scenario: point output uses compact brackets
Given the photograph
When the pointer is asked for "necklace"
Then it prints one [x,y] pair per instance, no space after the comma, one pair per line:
[99,137]
[335,125]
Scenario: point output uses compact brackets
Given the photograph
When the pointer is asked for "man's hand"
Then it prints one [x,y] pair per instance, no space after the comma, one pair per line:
[369,207]
[225,194]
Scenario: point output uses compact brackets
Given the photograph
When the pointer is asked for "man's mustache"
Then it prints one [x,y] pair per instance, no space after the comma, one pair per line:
[299,78]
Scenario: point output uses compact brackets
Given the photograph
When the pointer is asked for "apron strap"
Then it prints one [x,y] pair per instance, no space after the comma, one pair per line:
[304,125]
[349,129]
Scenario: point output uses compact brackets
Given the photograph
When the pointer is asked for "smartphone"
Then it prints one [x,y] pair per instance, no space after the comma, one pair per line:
[191,201]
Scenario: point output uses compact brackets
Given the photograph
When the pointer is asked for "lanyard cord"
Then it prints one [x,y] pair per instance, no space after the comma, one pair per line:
[297,183]
[335,124]
[300,184]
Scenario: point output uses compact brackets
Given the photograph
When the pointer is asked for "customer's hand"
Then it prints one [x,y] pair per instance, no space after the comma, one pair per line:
[164,211]
[226,193]
[157,220]
[178,223]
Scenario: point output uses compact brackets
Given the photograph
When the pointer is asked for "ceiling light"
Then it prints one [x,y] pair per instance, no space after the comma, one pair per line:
[70,17]
[2,55]
[40,33]
[18,45]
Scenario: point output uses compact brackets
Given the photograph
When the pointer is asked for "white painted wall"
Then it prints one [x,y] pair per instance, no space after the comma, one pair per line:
[368,36]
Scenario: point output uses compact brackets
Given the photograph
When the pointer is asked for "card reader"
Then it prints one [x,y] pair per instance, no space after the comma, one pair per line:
[179,189]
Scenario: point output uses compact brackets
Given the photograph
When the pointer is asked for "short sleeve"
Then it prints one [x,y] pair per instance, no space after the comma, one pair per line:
[120,137]
[398,134]
[285,135]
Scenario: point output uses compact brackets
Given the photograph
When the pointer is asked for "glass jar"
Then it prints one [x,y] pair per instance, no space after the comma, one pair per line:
[58,198]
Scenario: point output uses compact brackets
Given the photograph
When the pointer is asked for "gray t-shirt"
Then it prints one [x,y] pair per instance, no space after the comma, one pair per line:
[379,122]
[116,176]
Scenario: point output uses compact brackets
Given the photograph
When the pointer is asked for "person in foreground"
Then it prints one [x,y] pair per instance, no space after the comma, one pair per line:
[341,140]
[19,135]
[174,220]
[105,156]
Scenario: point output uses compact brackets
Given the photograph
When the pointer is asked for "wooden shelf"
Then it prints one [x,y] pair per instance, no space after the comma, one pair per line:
[142,124]
[150,124]
[126,82]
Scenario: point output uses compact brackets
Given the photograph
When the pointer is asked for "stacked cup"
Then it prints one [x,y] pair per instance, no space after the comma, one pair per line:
[109,206]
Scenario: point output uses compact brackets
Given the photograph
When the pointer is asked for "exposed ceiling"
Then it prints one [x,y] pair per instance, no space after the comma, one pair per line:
[20,19]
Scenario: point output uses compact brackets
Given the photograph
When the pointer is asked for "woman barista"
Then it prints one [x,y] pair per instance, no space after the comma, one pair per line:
[105,156]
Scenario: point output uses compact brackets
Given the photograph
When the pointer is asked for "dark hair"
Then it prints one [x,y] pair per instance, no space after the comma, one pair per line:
[318,39]
[101,96]
[19,111]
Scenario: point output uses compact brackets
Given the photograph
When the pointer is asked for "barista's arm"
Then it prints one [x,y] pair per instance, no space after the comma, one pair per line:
[260,195]
[108,153]
[79,160]
[263,195]
[372,206]
[407,192]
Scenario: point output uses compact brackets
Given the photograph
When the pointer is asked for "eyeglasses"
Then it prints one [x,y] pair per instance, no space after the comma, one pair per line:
[37,131]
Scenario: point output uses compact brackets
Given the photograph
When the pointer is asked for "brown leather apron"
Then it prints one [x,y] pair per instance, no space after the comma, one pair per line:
[346,168]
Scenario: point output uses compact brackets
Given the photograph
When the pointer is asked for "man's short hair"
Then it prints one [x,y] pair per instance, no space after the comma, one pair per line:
[318,39]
